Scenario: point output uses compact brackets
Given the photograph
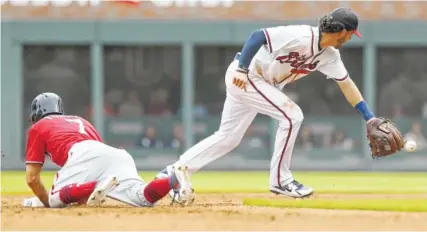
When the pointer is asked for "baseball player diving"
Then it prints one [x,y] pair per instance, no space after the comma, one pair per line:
[90,170]
[270,59]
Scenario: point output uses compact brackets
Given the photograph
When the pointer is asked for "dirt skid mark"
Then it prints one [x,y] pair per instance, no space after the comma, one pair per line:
[210,212]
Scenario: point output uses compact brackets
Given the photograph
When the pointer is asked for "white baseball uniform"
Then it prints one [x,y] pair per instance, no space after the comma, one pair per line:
[291,52]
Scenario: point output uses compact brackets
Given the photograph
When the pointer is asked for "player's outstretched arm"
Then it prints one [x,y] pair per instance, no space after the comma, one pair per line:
[383,136]
[354,97]
[34,182]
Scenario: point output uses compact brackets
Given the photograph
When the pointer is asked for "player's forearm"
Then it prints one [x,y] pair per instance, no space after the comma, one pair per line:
[39,190]
[251,47]
[355,98]
[350,91]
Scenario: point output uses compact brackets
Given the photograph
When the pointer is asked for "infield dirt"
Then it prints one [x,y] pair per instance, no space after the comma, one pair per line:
[210,212]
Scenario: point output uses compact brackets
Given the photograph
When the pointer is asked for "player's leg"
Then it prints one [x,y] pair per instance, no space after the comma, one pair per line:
[74,186]
[264,98]
[235,119]
[92,172]
[177,182]
[78,180]
[134,191]
[77,193]
[71,193]
[271,101]
[281,179]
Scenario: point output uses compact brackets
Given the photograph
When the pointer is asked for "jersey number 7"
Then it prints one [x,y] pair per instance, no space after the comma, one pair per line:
[80,123]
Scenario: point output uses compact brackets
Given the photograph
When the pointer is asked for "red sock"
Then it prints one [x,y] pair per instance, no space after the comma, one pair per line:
[158,188]
[76,193]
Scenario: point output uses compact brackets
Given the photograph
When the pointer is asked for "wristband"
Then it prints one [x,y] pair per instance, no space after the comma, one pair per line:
[364,110]
[242,70]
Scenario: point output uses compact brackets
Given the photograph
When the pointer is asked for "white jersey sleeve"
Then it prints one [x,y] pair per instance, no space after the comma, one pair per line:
[334,68]
[280,37]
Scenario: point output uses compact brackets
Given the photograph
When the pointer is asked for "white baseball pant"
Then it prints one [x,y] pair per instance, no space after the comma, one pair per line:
[240,108]
[96,161]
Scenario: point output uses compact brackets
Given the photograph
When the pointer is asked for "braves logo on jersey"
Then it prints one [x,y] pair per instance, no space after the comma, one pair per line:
[298,64]
[297,61]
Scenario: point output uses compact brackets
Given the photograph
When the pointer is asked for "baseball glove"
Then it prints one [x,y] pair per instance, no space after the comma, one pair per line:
[384,137]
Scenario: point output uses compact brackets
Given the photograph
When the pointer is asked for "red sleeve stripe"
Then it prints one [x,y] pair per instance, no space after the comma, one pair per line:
[342,79]
[267,36]
[128,2]
[33,162]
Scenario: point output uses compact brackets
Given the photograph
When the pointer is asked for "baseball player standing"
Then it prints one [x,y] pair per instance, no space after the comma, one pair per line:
[90,170]
[270,59]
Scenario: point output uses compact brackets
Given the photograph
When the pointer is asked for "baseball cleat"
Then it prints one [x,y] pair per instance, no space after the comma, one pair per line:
[293,189]
[165,173]
[99,194]
[183,193]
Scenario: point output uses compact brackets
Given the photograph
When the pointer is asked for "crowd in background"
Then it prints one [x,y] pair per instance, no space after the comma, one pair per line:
[141,81]
[307,140]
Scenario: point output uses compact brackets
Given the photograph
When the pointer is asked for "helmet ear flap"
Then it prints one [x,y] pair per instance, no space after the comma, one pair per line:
[36,112]
[37,115]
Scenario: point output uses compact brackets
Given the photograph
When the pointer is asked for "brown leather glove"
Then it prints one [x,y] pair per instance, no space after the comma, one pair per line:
[384,137]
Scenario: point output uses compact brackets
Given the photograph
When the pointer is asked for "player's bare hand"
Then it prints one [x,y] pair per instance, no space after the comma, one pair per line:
[240,79]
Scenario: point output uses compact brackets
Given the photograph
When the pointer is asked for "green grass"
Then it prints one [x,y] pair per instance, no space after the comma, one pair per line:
[399,205]
[13,182]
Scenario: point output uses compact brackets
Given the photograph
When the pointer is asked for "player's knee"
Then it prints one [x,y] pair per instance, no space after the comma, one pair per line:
[54,201]
[295,117]
[232,140]
[229,139]
[299,116]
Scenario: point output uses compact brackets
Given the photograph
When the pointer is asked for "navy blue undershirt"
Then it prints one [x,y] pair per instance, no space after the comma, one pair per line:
[251,47]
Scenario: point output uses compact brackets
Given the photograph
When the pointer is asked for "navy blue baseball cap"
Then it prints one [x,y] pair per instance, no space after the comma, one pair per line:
[348,18]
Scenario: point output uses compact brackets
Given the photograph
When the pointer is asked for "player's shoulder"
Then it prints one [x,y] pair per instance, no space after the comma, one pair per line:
[53,119]
[332,52]
[41,124]
[295,31]
[72,117]
[303,31]
[295,35]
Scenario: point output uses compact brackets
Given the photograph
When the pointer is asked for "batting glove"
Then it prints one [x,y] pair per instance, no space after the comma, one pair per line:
[33,202]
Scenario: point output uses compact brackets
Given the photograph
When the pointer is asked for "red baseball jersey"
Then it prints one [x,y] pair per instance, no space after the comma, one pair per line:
[54,135]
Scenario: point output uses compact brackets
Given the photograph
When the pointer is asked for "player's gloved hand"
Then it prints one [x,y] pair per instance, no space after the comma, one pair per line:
[33,202]
[384,137]
[240,78]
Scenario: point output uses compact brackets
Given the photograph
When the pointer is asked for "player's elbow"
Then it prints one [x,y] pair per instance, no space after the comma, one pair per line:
[258,36]
[32,180]
[257,31]
[33,174]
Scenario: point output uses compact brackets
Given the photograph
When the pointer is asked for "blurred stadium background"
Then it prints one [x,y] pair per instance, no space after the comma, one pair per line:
[150,76]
